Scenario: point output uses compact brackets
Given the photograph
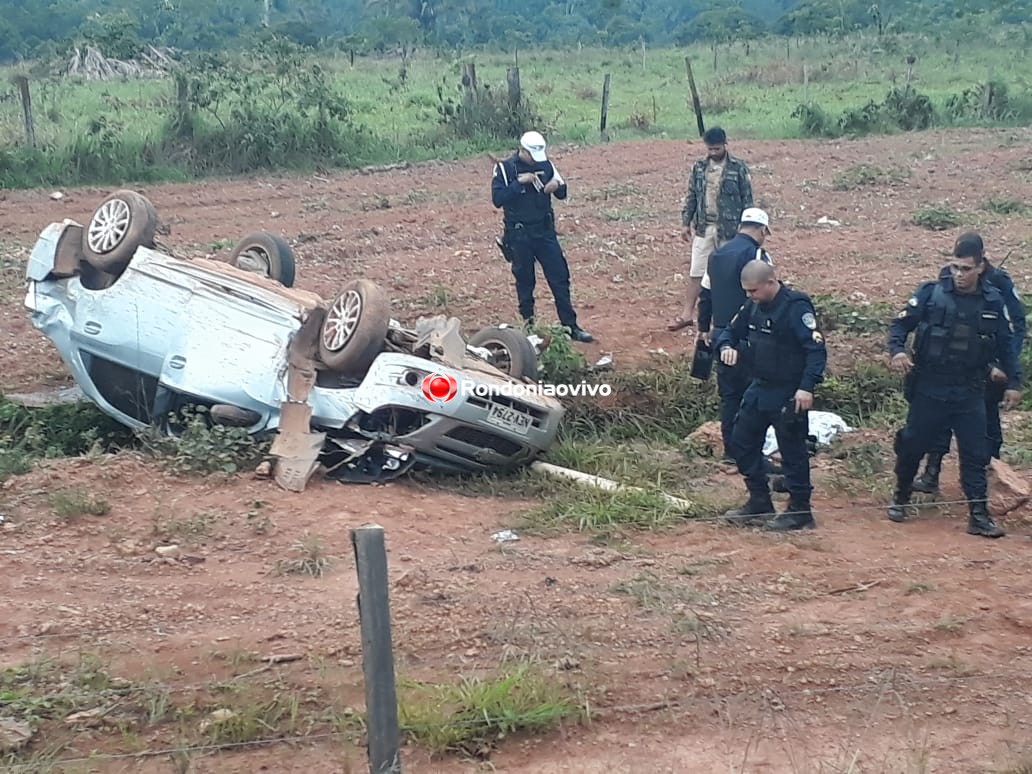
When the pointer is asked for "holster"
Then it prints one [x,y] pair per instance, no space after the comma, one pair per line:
[909,384]
[792,421]
[505,248]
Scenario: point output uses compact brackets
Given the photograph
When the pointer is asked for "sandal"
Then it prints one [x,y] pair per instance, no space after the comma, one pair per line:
[679,323]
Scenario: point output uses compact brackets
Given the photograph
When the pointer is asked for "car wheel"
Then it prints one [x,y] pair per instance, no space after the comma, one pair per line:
[123,222]
[266,254]
[511,351]
[355,328]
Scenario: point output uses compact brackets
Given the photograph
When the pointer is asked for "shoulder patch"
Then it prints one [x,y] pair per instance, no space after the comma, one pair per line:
[817,337]
[912,301]
[902,314]
[810,321]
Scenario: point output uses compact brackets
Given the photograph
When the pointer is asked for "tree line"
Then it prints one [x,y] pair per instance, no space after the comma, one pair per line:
[120,27]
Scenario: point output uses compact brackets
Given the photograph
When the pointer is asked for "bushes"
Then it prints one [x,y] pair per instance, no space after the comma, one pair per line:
[901,109]
[487,113]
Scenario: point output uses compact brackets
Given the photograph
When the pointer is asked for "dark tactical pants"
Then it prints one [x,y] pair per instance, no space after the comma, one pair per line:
[545,249]
[763,406]
[927,420]
[993,431]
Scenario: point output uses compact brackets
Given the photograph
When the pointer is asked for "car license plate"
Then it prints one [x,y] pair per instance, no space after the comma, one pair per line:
[509,418]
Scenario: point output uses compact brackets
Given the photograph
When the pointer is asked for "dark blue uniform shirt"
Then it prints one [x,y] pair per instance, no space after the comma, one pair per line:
[724,296]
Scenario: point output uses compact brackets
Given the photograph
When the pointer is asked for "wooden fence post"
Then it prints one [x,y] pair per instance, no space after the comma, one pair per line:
[512,79]
[26,100]
[374,613]
[696,103]
[605,109]
[469,82]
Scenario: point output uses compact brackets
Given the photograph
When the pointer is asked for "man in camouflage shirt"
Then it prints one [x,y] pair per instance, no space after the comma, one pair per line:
[719,189]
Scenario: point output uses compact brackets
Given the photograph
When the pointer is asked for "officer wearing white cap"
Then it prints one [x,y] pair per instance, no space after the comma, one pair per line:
[722,296]
[523,186]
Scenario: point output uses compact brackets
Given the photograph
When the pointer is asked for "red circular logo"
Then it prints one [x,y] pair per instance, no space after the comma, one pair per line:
[439,388]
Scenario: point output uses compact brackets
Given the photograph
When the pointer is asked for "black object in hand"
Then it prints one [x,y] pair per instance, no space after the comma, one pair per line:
[702,360]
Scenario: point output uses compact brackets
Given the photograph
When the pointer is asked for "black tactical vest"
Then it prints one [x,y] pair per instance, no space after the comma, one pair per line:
[945,345]
[776,355]
[532,210]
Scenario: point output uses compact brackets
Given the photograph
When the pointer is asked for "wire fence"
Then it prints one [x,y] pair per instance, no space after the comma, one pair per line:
[783,692]
[779,695]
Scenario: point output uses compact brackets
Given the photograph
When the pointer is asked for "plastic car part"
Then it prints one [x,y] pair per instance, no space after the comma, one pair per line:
[266,254]
[122,223]
[355,327]
[512,352]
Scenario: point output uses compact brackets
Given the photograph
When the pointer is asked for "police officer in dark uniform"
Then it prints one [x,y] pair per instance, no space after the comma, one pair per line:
[523,186]
[970,244]
[788,358]
[721,297]
[961,336]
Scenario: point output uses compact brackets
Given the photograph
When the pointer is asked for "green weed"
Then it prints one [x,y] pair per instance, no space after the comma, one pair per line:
[71,503]
[200,447]
[471,716]
[1004,206]
[312,559]
[937,218]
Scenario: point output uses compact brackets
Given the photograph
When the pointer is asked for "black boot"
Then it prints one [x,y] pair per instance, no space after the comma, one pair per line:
[797,515]
[981,523]
[898,509]
[928,482]
[756,510]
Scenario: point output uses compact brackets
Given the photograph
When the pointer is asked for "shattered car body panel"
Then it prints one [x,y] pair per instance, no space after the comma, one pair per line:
[171,332]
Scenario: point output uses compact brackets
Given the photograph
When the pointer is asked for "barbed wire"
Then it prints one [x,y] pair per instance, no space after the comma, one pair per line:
[163,630]
[898,682]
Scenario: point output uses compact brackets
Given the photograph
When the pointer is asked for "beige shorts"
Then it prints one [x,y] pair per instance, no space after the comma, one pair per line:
[702,248]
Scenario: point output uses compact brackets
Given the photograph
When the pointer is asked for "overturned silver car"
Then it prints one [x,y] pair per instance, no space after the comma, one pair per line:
[146,333]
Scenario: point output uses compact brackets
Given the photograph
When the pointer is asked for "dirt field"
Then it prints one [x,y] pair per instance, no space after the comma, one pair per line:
[863,646]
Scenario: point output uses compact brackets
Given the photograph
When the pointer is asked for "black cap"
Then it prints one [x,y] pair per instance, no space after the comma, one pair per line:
[714,136]
[968,245]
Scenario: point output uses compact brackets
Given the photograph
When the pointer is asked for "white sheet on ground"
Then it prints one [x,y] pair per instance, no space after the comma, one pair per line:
[823,425]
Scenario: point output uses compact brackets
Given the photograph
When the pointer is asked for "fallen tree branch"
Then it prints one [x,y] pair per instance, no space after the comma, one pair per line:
[856,587]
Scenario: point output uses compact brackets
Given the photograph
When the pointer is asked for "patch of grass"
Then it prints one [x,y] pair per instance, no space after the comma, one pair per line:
[1001,205]
[560,362]
[636,463]
[312,560]
[611,191]
[862,460]
[838,314]
[864,395]
[15,462]
[920,587]
[586,509]
[71,503]
[247,721]
[862,175]
[937,218]
[471,716]
[62,430]
[949,623]
[187,529]
[660,404]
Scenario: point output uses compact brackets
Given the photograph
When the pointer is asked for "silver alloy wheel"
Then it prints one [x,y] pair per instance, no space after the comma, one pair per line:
[109,226]
[255,259]
[342,320]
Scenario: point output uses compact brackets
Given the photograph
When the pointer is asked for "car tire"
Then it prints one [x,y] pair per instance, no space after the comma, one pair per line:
[124,221]
[512,351]
[266,254]
[355,328]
